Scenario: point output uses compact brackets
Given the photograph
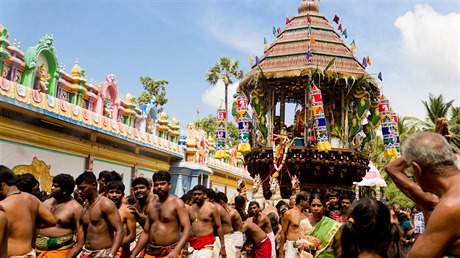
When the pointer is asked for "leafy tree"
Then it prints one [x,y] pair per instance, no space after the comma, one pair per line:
[225,69]
[155,90]
[208,124]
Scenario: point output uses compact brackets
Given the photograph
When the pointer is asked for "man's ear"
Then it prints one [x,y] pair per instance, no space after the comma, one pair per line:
[417,169]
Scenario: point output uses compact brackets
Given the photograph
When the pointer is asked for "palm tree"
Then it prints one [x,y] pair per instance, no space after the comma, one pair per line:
[436,108]
[225,69]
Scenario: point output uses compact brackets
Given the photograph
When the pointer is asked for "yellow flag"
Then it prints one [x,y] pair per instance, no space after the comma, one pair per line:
[266,47]
[353,48]
[368,60]
[312,41]
[251,59]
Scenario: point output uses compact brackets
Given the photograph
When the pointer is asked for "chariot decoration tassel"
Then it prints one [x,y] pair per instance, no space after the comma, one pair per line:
[322,139]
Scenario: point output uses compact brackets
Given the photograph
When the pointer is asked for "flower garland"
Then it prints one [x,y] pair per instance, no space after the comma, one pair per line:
[277,152]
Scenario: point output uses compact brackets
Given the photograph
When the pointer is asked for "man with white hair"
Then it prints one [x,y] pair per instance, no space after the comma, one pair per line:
[433,166]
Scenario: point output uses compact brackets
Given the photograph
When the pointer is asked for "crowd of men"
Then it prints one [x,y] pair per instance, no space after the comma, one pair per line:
[98,220]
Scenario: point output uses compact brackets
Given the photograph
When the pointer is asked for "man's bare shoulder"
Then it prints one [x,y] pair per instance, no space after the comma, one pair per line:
[125,213]
[105,204]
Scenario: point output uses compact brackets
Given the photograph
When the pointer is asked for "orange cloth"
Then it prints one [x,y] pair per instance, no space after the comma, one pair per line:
[53,254]
[123,253]
[150,256]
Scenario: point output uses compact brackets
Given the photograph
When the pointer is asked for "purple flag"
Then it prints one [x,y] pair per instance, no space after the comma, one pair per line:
[336,19]
[364,63]
[257,60]
[241,74]
[309,54]
[380,76]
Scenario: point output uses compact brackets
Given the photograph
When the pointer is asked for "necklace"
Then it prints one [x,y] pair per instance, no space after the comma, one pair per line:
[8,195]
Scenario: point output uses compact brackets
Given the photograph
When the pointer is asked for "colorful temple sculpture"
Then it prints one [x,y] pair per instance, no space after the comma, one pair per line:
[337,106]
[53,121]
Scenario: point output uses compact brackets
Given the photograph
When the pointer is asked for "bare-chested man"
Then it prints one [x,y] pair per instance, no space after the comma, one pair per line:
[25,214]
[166,217]
[263,222]
[103,179]
[234,238]
[261,244]
[4,231]
[58,241]
[290,226]
[434,169]
[100,219]
[205,219]
[115,191]
[141,188]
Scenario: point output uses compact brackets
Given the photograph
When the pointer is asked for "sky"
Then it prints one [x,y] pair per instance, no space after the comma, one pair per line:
[415,44]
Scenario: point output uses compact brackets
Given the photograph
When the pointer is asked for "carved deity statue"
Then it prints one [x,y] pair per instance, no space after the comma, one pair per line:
[42,79]
[192,140]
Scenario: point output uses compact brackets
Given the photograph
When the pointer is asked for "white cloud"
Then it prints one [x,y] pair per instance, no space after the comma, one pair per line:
[214,96]
[430,47]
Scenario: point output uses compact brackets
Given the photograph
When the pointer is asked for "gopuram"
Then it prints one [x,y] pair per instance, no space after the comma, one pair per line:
[337,107]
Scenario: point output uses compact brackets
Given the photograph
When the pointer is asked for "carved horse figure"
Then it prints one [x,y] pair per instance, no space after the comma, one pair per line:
[242,187]
[295,187]
[275,189]
[257,191]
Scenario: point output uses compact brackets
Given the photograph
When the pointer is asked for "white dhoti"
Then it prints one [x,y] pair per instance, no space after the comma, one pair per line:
[232,241]
[289,249]
[202,253]
[271,236]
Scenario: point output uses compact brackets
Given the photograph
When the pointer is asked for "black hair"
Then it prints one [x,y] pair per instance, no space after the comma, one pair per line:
[117,185]
[86,177]
[402,217]
[369,228]
[346,196]
[210,193]
[199,188]
[301,196]
[186,197]
[140,181]
[7,176]
[240,201]
[106,175]
[26,182]
[65,182]
[254,203]
[131,200]
[333,194]
[116,176]
[279,204]
[220,196]
[317,196]
[161,176]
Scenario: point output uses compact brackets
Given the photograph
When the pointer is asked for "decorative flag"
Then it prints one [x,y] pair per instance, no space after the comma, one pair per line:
[309,27]
[274,31]
[278,30]
[241,74]
[345,33]
[266,47]
[340,27]
[197,110]
[308,18]
[243,124]
[353,47]
[312,41]
[257,60]
[364,62]
[265,40]
[322,139]
[389,123]
[336,19]
[368,60]
[380,76]
[309,54]
[251,59]
[287,20]
[221,133]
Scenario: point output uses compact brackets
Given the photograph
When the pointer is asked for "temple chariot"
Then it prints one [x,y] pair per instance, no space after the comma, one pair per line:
[336,106]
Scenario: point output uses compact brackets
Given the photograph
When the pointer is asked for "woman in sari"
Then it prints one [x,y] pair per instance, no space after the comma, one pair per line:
[319,228]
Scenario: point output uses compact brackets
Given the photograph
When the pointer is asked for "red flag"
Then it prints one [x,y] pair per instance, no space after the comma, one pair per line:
[278,30]
[340,27]
[308,18]
[336,19]
[287,20]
